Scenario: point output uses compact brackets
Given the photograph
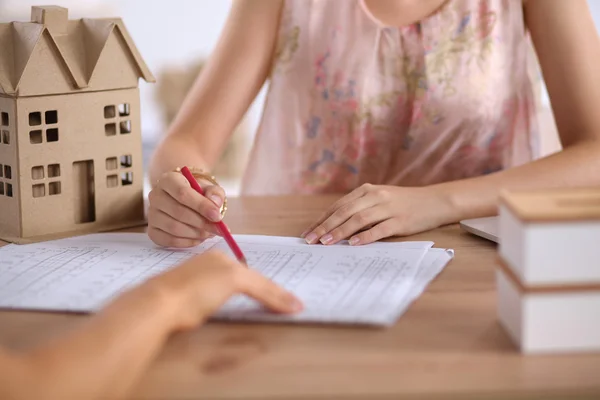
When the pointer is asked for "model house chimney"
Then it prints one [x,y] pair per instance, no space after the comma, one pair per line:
[54,18]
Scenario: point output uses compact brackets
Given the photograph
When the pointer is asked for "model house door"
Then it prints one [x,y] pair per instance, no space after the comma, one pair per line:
[84,202]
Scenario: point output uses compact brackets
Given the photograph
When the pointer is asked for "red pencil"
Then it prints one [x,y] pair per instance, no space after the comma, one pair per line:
[221,225]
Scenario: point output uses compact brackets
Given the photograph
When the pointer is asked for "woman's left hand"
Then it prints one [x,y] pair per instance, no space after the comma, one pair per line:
[374,212]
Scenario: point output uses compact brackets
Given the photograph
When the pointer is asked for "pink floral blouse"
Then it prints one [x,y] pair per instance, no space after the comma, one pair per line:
[352,101]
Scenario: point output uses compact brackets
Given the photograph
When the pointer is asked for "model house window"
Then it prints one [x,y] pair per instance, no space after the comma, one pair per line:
[117,119]
[43,126]
[127,178]
[54,188]
[37,173]
[126,161]
[124,110]
[39,190]
[6,188]
[53,170]
[4,128]
[119,171]
[46,180]
[125,127]
[111,164]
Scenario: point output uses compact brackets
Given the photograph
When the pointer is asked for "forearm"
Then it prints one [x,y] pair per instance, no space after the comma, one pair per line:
[578,165]
[104,358]
[175,151]
[228,84]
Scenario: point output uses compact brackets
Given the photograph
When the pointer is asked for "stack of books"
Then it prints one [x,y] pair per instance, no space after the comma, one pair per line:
[548,270]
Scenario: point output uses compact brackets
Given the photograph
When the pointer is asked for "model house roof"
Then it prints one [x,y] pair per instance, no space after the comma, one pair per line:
[52,55]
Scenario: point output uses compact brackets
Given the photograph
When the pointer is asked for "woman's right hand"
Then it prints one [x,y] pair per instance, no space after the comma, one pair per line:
[180,217]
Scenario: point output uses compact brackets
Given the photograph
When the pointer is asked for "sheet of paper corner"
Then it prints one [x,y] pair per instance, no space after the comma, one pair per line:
[427,263]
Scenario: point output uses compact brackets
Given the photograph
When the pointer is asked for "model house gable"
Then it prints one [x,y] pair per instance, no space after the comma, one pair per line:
[73,48]
[95,35]
[116,66]
[45,72]
[7,58]
[51,55]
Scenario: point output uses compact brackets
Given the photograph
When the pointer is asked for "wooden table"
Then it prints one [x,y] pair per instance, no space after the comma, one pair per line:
[448,344]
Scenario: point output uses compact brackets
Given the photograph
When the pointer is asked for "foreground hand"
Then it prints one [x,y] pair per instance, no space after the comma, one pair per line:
[374,212]
[180,217]
[106,357]
[200,286]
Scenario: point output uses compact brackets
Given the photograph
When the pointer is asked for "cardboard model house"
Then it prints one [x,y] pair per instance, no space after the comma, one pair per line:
[70,137]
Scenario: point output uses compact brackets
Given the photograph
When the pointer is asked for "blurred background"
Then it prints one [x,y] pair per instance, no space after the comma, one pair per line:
[175,44]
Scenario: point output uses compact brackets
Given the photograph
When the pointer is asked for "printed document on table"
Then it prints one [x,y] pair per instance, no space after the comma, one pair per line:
[370,285]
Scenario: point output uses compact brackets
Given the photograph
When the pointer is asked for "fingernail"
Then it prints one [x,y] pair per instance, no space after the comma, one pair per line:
[294,303]
[304,234]
[214,215]
[326,239]
[311,238]
[354,241]
[217,200]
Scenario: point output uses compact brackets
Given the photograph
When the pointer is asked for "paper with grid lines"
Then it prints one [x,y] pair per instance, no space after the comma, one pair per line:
[371,285]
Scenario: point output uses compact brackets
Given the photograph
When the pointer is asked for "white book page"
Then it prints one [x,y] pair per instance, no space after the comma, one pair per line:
[338,284]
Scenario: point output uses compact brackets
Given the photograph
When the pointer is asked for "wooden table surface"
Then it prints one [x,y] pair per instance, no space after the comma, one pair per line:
[447,345]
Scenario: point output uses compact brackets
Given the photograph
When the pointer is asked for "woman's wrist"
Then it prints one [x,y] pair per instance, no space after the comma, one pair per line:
[450,202]
[465,199]
[160,300]
[173,152]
